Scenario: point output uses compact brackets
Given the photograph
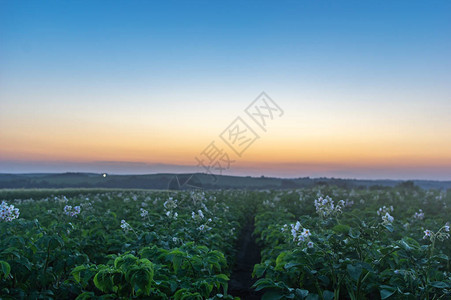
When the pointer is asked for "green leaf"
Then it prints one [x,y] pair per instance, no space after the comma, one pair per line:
[328,295]
[264,283]
[5,268]
[55,242]
[86,296]
[205,288]
[354,271]
[141,278]
[125,261]
[76,272]
[440,284]
[104,281]
[301,293]
[259,270]
[273,295]
[222,278]
[340,228]
[409,243]
[141,275]
[312,297]
[176,257]
[280,260]
[324,279]
[386,293]
[389,227]
[292,265]
[354,233]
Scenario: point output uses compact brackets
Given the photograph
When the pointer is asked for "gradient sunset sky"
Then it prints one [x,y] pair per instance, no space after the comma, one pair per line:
[146,86]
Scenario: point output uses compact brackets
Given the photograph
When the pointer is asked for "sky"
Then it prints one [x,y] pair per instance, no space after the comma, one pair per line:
[363,87]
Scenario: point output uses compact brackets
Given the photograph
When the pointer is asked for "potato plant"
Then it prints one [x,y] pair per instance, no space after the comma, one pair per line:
[316,243]
[124,244]
[340,244]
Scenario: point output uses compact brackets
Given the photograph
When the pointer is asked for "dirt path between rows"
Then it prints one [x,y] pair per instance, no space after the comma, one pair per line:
[248,255]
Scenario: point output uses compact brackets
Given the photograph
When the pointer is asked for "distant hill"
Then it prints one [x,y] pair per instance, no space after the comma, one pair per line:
[192,181]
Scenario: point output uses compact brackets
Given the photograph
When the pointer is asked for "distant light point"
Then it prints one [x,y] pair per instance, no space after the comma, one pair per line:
[104,175]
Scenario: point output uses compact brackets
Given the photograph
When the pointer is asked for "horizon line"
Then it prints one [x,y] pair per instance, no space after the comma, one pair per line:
[223,175]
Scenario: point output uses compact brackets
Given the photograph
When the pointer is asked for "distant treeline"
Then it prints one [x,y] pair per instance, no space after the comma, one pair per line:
[194,181]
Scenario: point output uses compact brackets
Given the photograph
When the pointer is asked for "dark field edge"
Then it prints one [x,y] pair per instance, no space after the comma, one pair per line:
[168,181]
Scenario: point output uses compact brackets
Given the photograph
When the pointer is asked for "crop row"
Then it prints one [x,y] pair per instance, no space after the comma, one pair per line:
[114,245]
[333,243]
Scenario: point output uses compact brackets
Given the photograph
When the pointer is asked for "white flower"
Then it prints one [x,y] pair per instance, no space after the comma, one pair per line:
[419,215]
[299,236]
[144,212]
[326,207]
[67,209]
[427,233]
[125,225]
[170,204]
[297,226]
[386,217]
[306,232]
[72,211]
[310,244]
[8,212]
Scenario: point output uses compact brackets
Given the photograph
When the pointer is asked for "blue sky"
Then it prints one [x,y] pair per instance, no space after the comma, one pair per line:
[175,70]
[130,43]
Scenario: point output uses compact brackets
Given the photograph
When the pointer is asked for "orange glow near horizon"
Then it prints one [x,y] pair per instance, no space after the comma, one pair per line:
[311,136]
[173,148]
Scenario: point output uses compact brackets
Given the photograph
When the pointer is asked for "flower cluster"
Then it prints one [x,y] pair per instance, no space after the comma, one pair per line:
[300,236]
[199,216]
[144,212]
[125,225]
[172,215]
[419,215]
[8,212]
[203,228]
[71,211]
[384,212]
[169,206]
[198,197]
[441,234]
[387,218]
[268,203]
[325,206]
